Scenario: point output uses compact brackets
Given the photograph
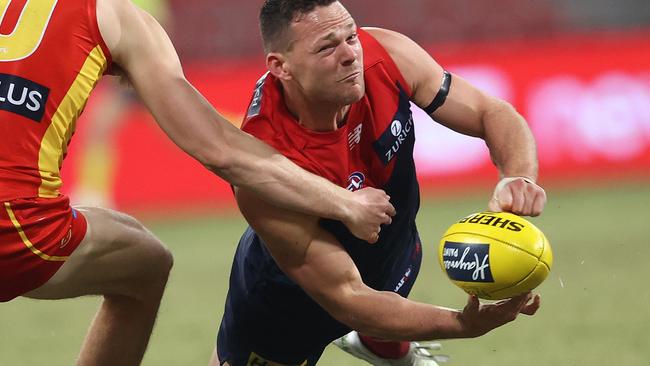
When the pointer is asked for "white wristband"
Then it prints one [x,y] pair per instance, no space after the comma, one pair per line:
[505,181]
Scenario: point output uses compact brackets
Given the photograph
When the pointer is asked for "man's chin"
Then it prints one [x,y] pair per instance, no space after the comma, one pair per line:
[355,95]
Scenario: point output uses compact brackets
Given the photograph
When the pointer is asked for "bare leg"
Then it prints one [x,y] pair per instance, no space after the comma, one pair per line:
[119,316]
[123,261]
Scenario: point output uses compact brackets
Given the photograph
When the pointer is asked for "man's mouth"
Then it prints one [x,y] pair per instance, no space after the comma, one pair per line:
[351,76]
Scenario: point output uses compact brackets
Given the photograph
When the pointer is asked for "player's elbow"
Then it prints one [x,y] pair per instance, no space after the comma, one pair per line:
[499,110]
[217,159]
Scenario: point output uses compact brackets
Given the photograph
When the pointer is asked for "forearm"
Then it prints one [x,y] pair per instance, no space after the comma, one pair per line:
[242,160]
[511,143]
[150,62]
[275,179]
[387,315]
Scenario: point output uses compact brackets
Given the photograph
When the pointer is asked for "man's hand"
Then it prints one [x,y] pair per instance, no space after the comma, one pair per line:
[518,195]
[478,319]
[370,209]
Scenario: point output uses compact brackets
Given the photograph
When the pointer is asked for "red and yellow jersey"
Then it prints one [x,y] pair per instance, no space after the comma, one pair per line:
[51,57]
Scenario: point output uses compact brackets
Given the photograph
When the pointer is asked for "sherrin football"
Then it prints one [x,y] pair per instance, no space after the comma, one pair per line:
[495,255]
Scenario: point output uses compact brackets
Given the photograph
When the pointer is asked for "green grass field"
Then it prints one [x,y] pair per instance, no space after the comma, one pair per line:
[595,303]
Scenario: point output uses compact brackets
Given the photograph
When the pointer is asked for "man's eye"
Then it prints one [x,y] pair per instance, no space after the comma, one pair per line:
[325,48]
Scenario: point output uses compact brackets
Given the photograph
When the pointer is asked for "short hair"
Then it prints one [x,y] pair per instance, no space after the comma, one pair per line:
[277,15]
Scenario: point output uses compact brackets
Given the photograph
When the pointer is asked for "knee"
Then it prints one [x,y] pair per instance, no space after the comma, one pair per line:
[155,264]
[165,260]
[159,259]
[155,258]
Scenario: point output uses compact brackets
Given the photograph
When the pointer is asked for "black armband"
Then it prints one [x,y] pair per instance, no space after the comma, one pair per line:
[440,98]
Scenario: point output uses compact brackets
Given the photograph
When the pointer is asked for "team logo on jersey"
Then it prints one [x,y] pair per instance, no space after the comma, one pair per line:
[23,97]
[355,181]
[398,132]
[256,102]
[354,137]
[66,239]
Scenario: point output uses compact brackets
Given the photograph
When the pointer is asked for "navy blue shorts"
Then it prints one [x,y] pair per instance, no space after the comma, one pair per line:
[269,318]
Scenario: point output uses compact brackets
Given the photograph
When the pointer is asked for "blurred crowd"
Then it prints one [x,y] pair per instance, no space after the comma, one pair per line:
[206,29]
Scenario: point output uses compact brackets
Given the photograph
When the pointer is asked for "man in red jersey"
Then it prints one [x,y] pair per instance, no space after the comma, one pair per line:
[52,52]
[336,100]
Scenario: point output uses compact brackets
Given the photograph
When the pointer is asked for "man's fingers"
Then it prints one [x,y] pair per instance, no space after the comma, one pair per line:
[516,303]
[374,237]
[531,307]
[504,198]
[518,204]
[539,203]
[472,305]
[493,205]
[532,194]
[519,196]
[391,209]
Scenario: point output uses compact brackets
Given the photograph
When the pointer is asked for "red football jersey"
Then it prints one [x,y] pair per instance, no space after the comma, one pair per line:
[360,153]
[373,149]
[51,57]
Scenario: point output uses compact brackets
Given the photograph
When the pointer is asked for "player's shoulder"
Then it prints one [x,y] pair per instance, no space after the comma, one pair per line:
[117,18]
[261,118]
[383,35]
[383,48]
[397,45]
[411,60]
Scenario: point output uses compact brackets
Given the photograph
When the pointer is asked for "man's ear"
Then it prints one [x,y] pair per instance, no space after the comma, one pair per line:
[277,64]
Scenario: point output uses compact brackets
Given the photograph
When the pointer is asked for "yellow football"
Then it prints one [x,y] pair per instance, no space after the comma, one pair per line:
[495,255]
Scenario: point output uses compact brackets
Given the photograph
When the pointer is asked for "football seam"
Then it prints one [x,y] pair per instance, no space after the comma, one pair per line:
[499,240]
[546,244]
[520,281]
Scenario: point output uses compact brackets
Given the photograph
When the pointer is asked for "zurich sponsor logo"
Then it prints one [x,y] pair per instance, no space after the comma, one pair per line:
[355,181]
[399,137]
[467,262]
[398,133]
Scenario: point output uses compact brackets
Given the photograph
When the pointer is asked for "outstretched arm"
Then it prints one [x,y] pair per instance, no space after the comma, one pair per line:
[141,48]
[314,259]
[472,112]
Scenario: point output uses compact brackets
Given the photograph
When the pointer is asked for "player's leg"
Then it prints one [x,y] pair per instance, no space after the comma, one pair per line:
[120,259]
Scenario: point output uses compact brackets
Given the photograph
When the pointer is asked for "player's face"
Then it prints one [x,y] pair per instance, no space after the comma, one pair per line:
[325,57]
